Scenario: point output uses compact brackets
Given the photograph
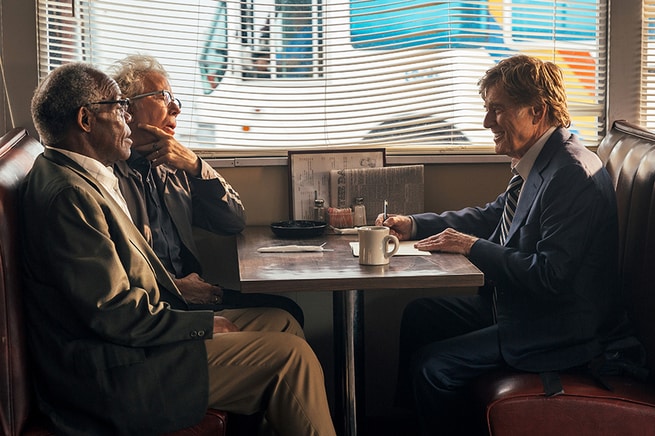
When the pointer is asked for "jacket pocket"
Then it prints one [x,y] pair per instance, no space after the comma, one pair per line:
[90,358]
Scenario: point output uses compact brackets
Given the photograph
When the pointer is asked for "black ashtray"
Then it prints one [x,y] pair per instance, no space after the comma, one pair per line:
[298,228]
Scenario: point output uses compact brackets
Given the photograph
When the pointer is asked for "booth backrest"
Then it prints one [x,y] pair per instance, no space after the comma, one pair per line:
[628,152]
[17,153]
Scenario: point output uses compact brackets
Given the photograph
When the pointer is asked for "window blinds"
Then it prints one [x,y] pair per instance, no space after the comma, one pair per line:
[647,101]
[266,76]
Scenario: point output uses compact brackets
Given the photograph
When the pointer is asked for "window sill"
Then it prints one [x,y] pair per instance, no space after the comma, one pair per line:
[391,160]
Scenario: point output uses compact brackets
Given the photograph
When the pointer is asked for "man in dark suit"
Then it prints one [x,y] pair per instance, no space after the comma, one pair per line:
[550,272]
[115,349]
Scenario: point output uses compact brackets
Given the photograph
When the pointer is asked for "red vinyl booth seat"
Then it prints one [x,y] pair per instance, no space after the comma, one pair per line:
[514,403]
[18,415]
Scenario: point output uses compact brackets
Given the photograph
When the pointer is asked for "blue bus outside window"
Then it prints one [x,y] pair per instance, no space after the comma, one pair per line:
[390,24]
[569,24]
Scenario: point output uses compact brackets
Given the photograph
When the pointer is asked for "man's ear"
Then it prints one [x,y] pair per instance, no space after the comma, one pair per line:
[84,118]
[538,113]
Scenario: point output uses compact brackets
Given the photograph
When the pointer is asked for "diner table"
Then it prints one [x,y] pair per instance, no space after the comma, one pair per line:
[339,272]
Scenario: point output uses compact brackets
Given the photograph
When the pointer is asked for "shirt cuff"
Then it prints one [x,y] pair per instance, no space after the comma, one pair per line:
[206,171]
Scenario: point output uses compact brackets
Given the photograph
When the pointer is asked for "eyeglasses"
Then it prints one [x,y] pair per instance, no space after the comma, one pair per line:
[123,104]
[168,97]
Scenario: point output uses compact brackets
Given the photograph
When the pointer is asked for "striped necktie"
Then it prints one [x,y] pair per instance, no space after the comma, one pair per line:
[513,191]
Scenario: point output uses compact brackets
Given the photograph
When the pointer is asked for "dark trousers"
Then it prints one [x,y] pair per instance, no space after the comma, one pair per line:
[237,300]
[445,343]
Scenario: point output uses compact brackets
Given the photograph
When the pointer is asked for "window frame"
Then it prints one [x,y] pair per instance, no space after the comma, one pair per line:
[435,151]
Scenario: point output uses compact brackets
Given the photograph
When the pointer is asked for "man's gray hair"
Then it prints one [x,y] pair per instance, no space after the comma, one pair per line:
[130,71]
[59,96]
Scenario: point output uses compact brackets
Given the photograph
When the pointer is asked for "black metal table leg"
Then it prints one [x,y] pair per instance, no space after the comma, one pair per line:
[348,313]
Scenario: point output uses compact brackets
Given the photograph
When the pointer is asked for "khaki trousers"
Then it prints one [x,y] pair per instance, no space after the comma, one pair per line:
[268,366]
[263,319]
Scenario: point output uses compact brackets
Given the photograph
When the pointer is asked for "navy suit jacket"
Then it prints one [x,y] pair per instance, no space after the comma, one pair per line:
[556,275]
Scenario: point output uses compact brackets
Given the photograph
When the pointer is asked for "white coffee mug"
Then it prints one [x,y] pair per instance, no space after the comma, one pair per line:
[375,245]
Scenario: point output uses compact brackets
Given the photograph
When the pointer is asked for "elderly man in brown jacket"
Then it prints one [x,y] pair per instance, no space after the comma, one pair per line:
[114,348]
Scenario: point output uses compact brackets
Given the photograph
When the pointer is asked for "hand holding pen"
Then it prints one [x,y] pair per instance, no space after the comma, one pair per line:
[381,218]
[399,225]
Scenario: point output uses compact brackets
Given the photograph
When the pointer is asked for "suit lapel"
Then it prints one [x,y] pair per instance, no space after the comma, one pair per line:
[133,189]
[125,223]
[532,185]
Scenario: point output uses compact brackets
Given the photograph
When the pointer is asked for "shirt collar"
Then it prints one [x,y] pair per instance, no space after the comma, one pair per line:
[139,163]
[104,175]
[524,165]
[91,165]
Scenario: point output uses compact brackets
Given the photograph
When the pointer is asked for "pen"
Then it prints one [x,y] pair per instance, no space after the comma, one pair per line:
[384,212]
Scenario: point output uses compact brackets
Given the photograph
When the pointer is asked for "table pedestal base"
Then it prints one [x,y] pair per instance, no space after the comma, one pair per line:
[348,312]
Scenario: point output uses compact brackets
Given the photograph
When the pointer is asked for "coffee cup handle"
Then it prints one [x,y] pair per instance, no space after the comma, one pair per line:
[396,246]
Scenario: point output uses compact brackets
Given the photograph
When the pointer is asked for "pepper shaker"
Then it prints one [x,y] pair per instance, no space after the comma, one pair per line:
[359,218]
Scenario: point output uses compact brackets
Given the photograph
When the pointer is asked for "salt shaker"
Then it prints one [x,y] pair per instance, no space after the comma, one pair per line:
[359,215]
[319,210]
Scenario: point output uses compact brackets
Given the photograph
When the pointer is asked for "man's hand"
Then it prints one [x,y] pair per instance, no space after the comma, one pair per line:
[399,225]
[448,241]
[224,325]
[165,149]
[197,291]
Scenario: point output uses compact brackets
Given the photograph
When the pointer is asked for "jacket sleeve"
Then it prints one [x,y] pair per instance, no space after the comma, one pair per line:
[477,221]
[217,206]
[102,270]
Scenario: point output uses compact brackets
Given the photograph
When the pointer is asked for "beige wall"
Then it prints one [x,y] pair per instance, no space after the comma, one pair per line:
[19,56]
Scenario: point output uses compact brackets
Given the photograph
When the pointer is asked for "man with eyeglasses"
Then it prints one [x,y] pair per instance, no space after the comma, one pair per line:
[115,349]
[169,189]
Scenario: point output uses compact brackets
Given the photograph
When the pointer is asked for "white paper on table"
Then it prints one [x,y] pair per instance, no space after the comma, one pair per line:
[344,231]
[293,249]
[406,249]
